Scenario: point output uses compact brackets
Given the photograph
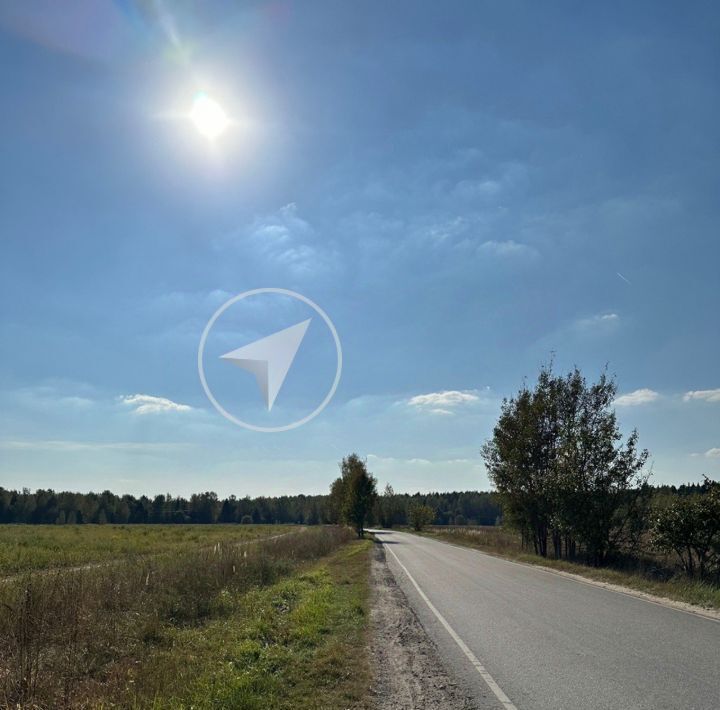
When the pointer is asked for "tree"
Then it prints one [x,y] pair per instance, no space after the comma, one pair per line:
[354,492]
[557,461]
[387,507]
[517,461]
[420,515]
[335,502]
[690,527]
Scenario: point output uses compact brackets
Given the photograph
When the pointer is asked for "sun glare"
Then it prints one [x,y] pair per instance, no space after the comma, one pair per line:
[208,116]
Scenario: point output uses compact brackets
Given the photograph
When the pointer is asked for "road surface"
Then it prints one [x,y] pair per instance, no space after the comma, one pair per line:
[519,637]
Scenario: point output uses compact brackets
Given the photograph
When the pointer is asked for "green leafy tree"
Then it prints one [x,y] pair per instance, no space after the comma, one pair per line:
[557,460]
[690,527]
[388,509]
[354,493]
[419,516]
[335,502]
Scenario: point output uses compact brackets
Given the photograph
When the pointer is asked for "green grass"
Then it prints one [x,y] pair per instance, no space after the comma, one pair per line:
[505,543]
[277,624]
[25,548]
[297,644]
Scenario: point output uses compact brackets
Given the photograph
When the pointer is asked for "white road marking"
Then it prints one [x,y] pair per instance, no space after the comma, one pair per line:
[479,667]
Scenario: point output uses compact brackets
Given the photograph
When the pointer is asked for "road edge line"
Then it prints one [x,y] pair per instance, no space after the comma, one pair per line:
[479,667]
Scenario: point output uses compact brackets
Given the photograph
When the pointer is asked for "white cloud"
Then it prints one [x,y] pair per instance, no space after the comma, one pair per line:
[446,398]
[507,248]
[469,189]
[284,239]
[704,395]
[149,404]
[638,397]
[64,445]
[376,459]
[713,453]
[601,320]
[443,403]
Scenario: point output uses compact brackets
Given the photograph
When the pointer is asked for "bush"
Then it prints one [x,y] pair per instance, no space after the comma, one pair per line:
[420,515]
[690,527]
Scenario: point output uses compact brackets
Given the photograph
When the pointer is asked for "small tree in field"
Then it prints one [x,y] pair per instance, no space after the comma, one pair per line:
[420,515]
[354,492]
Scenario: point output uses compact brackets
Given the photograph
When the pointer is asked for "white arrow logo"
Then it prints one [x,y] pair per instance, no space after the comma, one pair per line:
[270,358]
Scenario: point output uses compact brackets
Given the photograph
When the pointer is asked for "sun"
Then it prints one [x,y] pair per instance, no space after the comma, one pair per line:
[208,116]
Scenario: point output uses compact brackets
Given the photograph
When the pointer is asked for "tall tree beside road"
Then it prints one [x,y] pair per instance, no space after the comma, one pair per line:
[558,462]
[355,491]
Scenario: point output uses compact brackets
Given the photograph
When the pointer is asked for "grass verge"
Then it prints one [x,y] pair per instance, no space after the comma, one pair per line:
[297,644]
[503,543]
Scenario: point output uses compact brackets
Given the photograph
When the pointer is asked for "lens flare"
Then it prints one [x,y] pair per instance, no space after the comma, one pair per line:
[208,116]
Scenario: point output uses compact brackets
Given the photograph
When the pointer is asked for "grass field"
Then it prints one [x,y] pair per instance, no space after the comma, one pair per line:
[276,624]
[296,644]
[35,547]
[652,575]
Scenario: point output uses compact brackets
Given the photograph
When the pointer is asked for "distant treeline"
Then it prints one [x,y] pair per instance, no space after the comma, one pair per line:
[50,507]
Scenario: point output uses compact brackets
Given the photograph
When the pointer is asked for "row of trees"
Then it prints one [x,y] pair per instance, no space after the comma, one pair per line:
[47,507]
[563,473]
[572,486]
[389,509]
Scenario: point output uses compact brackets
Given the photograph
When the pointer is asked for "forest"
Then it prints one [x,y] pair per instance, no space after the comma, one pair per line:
[45,506]
[51,507]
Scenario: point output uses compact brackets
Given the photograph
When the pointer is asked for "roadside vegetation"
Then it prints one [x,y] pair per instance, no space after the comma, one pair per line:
[353,495]
[25,548]
[576,496]
[274,624]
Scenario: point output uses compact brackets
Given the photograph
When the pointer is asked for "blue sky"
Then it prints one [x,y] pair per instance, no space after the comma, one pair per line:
[465,188]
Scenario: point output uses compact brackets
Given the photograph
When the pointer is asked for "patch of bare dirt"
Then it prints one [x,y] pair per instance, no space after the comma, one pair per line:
[408,671]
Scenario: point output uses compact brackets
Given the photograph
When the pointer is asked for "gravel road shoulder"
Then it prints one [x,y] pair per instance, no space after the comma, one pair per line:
[408,671]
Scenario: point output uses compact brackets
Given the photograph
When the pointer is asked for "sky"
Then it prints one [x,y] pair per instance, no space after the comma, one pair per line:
[467,189]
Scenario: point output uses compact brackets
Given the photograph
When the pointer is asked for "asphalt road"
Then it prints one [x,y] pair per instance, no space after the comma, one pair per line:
[551,643]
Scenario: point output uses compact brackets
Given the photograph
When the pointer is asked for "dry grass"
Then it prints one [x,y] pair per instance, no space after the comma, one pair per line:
[77,637]
[33,547]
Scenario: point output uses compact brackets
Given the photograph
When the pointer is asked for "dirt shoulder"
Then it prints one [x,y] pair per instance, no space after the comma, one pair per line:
[408,671]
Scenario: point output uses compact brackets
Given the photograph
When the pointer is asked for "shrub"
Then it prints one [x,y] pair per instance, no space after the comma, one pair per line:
[420,516]
[690,527]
